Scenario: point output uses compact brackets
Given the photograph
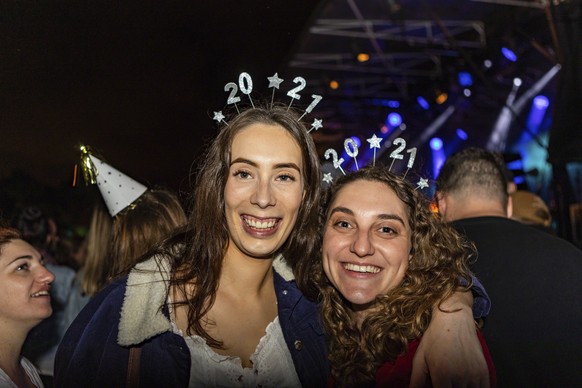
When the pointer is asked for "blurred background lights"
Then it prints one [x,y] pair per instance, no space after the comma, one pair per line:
[422,102]
[436,144]
[509,54]
[541,102]
[333,84]
[441,98]
[465,79]
[394,119]
[356,140]
[517,81]
[461,134]
[438,155]
[363,57]
[537,112]
[467,92]
[393,104]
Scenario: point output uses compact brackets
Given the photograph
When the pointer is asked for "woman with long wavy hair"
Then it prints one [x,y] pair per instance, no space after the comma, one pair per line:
[387,261]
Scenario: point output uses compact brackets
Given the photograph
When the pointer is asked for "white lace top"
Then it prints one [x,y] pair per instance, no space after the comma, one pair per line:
[272,363]
[30,370]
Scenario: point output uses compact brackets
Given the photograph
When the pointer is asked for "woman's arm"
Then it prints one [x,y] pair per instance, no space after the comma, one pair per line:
[450,353]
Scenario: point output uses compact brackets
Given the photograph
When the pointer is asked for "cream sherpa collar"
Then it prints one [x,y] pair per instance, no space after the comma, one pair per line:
[147,288]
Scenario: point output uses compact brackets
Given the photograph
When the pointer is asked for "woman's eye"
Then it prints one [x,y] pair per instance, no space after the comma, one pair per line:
[386,229]
[342,224]
[242,174]
[22,267]
[286,178]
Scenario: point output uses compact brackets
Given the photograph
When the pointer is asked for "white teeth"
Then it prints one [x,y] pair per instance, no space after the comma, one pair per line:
[40,293]
[259,224]
[361,268]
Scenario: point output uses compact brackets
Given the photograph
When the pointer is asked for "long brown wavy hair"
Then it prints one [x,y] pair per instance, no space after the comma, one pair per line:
[438,263]
[205,238]
[95,272]
[153,217]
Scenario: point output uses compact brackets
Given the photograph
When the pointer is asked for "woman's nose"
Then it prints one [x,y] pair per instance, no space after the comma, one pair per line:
[362,245]
[263,195]
[45,276]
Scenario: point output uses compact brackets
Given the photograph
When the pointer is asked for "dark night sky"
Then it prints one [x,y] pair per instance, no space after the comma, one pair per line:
[135,80]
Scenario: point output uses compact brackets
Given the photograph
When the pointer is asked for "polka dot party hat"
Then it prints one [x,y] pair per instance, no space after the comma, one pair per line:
[118,190]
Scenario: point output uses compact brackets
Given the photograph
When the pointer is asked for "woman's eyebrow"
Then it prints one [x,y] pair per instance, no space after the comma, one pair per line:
[25,257]
[391,217]
[341,209]
[277,166]
[243,160]
[288,165]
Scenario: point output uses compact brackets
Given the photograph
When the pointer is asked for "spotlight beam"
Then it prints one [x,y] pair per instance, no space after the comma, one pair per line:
[512,108]
[434,126]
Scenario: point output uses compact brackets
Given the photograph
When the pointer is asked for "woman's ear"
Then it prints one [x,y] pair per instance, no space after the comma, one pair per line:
[441,203]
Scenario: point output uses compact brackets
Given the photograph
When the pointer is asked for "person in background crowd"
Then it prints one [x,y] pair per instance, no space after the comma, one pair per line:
[387,261]
[40,231]
[94,275]
[534,330]
[154,216]
[24,303]
[530,209]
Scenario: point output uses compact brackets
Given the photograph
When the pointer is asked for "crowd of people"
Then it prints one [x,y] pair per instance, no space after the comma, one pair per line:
[272,279]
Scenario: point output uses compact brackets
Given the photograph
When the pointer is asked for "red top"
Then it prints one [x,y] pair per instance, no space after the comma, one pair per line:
[398,373]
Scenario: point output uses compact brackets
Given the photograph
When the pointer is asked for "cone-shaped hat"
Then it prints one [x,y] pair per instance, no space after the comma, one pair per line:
[118,190]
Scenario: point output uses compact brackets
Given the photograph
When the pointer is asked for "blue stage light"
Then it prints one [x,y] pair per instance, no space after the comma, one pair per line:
[541,102]
[465,79]
[462,134]
[436,143]
[394,119]
[509,54]
[422,102]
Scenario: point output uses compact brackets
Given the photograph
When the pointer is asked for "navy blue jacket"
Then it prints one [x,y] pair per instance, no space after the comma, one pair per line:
[95,349]
[90,354]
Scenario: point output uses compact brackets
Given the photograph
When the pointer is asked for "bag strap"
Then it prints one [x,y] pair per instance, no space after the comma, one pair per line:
[133,367]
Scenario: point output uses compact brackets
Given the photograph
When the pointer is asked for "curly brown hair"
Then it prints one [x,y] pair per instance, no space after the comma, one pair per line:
[436,270]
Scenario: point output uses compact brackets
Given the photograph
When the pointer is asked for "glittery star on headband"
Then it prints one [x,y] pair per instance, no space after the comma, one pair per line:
[317,123]
[327,178]
[374,143]
[275,81]
[218,116]
[245,86]
[422,183]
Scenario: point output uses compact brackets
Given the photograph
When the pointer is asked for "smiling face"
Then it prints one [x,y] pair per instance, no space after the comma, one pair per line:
[24,284]
[263,190]
[366,243]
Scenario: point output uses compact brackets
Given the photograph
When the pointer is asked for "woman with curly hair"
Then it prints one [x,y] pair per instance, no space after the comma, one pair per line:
[388,261]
